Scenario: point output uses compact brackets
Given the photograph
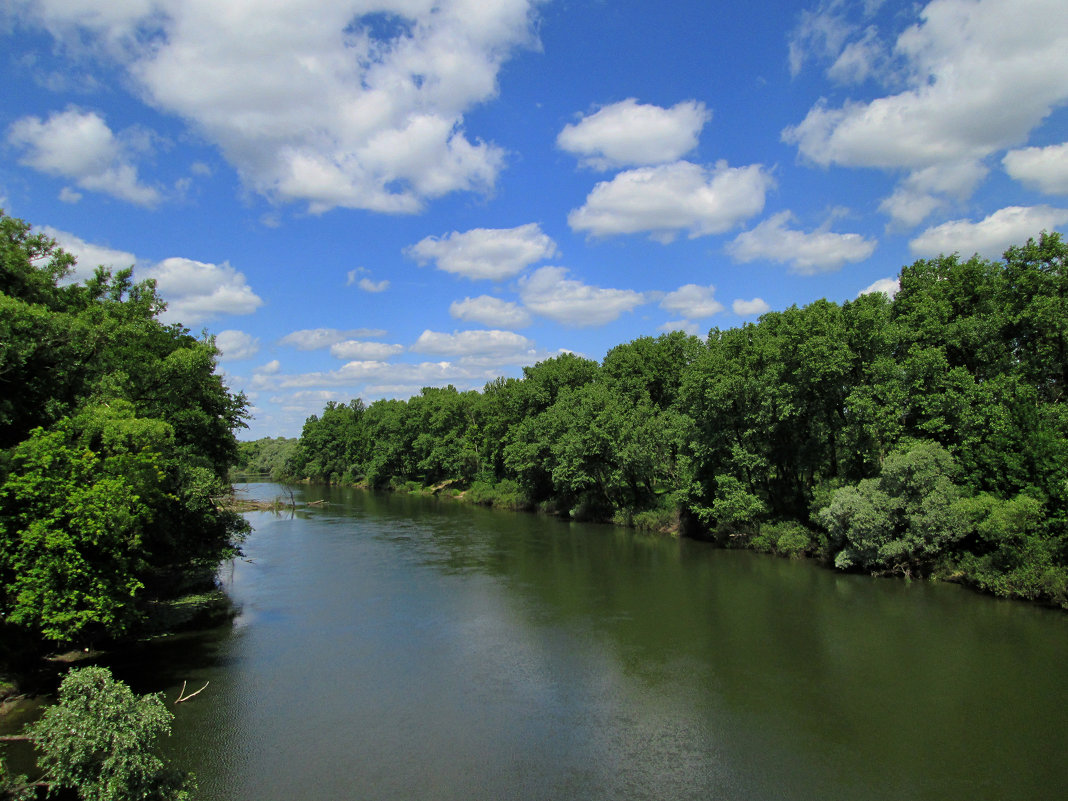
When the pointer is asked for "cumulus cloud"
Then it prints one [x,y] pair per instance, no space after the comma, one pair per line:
[927,190]
[991,236]
[860,59]
[329,102]
[80,146]
[472,343]
[670,198]
[979,75]
[750,308]
[194,291]
[548,292]
[366,283]
[357,349]
[686,326]
[1044,168]
[308,401]
[359,372]
[315,338]
[820,34]
[197,291]
[272,367]
[493,253]
[629,133]
[89,256]
[807,254]
[489,310]
[692,301]
[888,286]
[236,345]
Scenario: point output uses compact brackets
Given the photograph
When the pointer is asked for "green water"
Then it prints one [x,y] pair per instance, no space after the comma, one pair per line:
[408,648]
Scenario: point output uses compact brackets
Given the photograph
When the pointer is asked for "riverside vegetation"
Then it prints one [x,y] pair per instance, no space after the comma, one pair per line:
[116,437]
[924,435]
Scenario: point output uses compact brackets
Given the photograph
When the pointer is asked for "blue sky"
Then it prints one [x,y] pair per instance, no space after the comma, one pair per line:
[360,198]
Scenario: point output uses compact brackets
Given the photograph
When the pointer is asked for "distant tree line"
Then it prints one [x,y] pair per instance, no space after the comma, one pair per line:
[925,435]
[116,437]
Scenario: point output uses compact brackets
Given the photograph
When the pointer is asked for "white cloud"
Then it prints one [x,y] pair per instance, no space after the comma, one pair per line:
[307,402]
[671,198]
[367,285]
[493,253]
[89,256]
[356,349]
[1044,168]
[359,372]
[630,133]
[980,75]
[838,32]
[991,236]
[859,60]
[489,310]
[330,102]
[315,338]
[549,293]
[236,345]
[807,254]
[472,343]
[272,367]
[80,146]
[926,190]
[692,300]
[888,286]
[821,34]
[908,207]
[319,396]
[750,308]
[686,326]
[196,291]
[68,195]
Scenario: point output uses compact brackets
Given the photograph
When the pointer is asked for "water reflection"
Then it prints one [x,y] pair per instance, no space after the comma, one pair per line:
[393,647]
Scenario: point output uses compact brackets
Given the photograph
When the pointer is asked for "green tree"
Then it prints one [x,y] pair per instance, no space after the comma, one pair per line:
[71,528]
[99,741]
[116,437]
[903,520]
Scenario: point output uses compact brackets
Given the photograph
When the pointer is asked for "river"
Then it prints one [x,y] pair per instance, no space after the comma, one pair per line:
[398,647]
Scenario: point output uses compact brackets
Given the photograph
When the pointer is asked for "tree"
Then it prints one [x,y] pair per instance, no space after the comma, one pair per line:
[116,437]
[71,529]
[99,740]
[903,520]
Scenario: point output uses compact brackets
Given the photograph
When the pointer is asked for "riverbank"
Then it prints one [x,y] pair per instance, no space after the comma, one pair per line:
[32,670]
[789,539]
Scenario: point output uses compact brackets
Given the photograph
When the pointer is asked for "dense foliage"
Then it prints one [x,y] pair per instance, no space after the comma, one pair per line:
[99,742]
[116,436]
[270,456]
[923,435]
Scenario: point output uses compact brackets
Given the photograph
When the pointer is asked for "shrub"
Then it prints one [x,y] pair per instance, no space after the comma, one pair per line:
[99,740]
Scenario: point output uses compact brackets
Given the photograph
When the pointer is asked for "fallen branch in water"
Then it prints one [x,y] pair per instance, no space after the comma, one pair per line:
[183,697]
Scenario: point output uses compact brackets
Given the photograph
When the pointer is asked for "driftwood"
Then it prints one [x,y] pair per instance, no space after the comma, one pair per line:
[183,697]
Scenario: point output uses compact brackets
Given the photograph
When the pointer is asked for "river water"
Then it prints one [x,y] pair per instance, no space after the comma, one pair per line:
[397,647]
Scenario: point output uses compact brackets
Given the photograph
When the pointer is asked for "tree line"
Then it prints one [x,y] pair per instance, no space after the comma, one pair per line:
[116,438]
[924,435]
